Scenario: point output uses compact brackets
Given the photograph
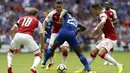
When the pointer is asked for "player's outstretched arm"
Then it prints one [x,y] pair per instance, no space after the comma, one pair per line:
[42,41]
[42,35]
[81,28]
[44,25]
[64,11]
[13,30]
[103,18]
[47,19]
[99,36]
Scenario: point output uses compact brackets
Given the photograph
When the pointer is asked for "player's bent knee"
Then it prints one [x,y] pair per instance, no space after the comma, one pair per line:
[94,53]
[102,55]
[37,51]
[38,54]
[102,52]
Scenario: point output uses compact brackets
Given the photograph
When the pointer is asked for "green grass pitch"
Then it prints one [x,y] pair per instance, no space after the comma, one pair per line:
[23,62]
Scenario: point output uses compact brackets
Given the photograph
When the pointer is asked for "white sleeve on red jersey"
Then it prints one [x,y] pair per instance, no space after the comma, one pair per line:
[103,16]
[49,16]
[17,23]
[40,27]
[114,13]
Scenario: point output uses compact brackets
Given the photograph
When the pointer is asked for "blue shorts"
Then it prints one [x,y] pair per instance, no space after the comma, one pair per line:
[67,35]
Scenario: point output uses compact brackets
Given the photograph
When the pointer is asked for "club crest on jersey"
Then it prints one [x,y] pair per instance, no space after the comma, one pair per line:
[58,22]
[111,13]
[55,17]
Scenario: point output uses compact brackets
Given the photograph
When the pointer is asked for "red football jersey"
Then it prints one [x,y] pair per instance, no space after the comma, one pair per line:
[108,28]
[112,14]
[54,16]
[57,24]
[27,24]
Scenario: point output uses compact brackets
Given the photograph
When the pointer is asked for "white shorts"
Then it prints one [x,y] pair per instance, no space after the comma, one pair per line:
[26,40]
[107,43]
[53,36]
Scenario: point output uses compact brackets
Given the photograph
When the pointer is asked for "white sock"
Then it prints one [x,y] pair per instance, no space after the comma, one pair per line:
[110,53]
[111,59]
[64,59]
[9,58]
[37,60]
[51,60]
[90,59]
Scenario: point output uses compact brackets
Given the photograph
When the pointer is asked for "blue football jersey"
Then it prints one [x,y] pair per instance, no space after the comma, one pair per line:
[68,31]
[48,27]
[70,22]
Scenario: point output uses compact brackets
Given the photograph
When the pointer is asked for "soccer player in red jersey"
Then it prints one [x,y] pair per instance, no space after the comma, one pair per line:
[111,13]
[104,46]
[24,36]
[56,16]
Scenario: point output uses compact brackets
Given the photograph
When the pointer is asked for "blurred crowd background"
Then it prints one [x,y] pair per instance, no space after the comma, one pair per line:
[12,10]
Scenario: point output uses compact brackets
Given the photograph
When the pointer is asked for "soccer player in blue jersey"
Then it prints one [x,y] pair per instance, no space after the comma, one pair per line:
[70,27]
[48,31]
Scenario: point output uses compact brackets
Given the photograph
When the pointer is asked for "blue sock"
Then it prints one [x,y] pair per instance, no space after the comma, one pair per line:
[84,62]
[45,51]
[47,55]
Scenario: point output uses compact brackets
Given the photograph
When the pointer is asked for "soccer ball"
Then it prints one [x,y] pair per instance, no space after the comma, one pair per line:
[61,68]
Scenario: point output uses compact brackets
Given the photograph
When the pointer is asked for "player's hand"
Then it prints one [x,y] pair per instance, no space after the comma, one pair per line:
[60,18]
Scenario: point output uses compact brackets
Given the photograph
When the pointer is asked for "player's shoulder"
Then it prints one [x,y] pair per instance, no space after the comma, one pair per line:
[52,12]
[113,10]
[103,14]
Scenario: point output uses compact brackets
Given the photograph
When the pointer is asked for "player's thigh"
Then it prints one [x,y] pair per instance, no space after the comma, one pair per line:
[102,51]
[53,37]
[14,45]
[94,52]
[31,44]
[16,42]
[114,44]
[106,43]
[59,39]
[74,45]
[73,42]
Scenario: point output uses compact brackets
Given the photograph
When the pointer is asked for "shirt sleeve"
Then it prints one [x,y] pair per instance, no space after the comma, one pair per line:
[49,16]
[40,30]
[17,23]
[103,16]
[114,14]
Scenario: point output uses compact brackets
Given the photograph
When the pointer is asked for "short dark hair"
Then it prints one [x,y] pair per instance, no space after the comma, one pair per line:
[33,11]
[97,6]
[59,1]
